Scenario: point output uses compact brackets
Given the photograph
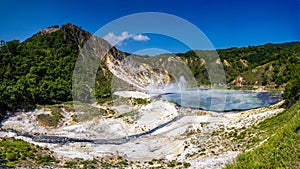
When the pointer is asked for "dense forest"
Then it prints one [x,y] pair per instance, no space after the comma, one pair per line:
[39,70]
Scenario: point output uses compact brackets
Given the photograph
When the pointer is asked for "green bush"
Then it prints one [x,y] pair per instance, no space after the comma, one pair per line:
[186,165]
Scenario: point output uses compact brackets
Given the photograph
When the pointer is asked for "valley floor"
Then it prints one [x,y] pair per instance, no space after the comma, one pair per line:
[200,139]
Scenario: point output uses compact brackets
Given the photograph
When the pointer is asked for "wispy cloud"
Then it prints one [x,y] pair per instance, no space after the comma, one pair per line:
[117,40]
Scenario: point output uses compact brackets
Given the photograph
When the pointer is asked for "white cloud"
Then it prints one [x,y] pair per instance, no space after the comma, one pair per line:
[117,40]
[114,39]
[140,38]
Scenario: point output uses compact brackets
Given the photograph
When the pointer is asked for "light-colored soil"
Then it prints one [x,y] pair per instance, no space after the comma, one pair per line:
[197,137]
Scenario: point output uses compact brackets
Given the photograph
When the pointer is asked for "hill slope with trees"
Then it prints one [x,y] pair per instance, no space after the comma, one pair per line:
[39,70]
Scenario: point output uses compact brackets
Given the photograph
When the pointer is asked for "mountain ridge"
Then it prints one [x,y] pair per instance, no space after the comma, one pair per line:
[38,70]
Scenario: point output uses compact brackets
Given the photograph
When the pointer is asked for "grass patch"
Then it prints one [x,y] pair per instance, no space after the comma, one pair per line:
[17,153]
[53,119]
[204,124]
[128,114]
[89,112]
[89,115]
[282,150]
[88,164]
[142,101]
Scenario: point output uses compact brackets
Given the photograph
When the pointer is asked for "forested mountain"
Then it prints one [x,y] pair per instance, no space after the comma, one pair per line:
[39,70]
[269,64]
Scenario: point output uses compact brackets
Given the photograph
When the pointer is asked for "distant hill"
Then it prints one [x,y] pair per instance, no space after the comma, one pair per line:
[268,64]
[273,65]
[39,70]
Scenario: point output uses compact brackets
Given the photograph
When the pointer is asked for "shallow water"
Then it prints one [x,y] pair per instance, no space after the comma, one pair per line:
[223,100]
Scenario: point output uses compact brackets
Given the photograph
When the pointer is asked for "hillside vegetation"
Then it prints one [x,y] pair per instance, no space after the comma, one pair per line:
[282,149]
[39,70]
[269,64]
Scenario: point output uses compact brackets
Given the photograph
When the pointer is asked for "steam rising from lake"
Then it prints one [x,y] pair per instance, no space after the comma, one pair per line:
[177,87]
[212,99]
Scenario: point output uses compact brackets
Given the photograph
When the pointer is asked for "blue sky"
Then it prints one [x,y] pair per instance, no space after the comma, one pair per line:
[226,23]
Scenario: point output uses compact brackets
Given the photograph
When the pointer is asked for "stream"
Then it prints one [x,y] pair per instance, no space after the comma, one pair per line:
[65,140]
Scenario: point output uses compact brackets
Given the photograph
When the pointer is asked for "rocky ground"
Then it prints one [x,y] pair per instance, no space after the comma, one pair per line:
[202,138]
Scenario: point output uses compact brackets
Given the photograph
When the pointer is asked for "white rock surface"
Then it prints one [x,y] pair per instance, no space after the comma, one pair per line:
[167,142]
[133,94]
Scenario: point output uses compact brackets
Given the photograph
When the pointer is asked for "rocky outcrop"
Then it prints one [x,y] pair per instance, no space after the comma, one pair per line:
[114,68]
[48,30]
[75,35]
[239,81]
[133,71]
